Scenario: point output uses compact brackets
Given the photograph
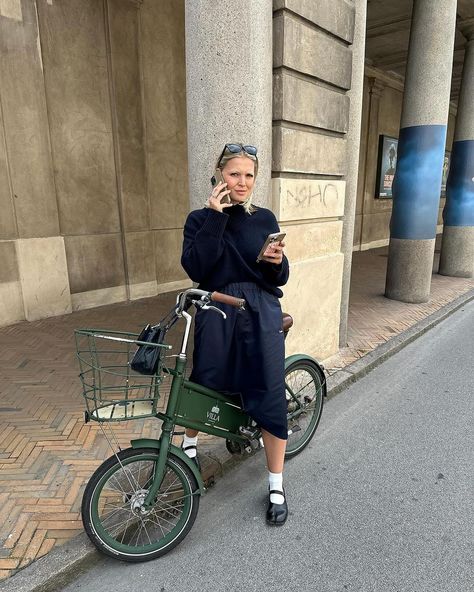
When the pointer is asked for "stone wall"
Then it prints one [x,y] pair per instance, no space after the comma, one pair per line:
[93,153]
[381,112]
[312,74]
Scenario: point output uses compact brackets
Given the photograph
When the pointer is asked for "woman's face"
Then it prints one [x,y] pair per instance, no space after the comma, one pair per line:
[239,174]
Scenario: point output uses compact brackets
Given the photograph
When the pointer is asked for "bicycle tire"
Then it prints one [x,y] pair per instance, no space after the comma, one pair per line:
[121,483]
[306,381]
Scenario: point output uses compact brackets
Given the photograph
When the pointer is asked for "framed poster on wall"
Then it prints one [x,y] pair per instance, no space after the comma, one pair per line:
[444,178]
[386,165]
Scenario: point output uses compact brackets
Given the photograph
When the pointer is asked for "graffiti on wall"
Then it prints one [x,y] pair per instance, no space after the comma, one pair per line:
[306,195]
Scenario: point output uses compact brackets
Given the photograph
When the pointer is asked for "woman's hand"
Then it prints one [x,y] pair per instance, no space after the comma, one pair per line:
[214,201]
[274,253]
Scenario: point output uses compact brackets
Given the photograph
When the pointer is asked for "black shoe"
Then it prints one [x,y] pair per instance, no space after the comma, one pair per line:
[195,458]
[277,513]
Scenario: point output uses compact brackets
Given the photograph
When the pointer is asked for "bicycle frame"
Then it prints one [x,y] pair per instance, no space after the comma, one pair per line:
[194,406]
[191,405]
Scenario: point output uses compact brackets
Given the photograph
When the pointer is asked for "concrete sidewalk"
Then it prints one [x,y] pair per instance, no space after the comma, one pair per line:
[47,453]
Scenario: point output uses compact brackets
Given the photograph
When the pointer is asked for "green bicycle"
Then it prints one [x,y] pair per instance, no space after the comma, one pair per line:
[142,501]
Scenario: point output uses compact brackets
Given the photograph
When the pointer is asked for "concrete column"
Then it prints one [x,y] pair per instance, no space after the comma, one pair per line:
[353,144]
[228,87]
[376,89]
[457,247]
[417,183]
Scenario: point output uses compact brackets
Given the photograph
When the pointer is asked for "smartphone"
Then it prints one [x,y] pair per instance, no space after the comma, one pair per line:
[276,237]
[215,180]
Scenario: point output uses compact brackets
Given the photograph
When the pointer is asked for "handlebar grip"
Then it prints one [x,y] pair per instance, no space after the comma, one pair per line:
[226,299]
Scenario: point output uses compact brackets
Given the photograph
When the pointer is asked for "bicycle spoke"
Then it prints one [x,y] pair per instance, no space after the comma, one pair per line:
[112,514]
[161,528]
[146,532]
[125,529]
[163,509]
[120,527]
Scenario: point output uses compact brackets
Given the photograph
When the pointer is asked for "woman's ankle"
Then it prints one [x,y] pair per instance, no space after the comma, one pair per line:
[189,445]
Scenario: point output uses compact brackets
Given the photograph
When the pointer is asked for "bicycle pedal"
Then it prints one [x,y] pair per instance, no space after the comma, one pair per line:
[248,433]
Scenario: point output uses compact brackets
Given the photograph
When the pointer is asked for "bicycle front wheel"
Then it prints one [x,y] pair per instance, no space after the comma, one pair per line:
[305,386]
[112,507]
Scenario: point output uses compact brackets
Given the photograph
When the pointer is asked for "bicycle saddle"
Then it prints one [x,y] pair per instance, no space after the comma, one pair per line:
[287,322]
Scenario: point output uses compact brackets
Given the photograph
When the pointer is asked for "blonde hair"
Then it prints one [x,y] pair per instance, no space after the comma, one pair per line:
[220,164]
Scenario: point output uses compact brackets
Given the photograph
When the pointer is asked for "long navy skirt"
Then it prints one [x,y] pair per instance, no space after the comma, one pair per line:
[244,355]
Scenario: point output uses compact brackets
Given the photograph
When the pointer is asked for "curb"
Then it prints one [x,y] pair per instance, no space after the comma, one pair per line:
[63,564]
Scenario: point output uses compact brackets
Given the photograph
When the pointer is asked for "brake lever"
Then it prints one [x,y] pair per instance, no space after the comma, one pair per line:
[210,307]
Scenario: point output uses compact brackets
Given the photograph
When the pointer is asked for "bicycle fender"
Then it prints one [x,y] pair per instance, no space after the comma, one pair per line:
[151,443]
[305,358]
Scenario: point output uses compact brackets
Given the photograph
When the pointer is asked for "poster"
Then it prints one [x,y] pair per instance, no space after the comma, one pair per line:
[444,178]
[387,163]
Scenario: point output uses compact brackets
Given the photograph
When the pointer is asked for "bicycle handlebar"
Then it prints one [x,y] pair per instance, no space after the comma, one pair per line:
[226,299]
[185,298]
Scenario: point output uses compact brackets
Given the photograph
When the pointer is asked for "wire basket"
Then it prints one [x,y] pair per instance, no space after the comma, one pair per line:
[111,389]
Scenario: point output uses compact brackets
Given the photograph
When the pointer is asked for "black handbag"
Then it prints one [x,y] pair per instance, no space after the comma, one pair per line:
[147,357]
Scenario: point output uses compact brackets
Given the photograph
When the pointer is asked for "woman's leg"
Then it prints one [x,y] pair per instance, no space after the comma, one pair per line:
[274,451]
[277,511]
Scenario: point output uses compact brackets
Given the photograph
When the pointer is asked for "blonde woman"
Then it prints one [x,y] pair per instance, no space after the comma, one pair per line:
[243,355]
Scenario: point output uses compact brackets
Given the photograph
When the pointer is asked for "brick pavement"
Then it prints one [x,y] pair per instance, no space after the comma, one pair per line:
[374,319]
[47,452]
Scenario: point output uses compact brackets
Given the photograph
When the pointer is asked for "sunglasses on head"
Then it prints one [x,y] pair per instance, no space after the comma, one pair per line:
[237,148]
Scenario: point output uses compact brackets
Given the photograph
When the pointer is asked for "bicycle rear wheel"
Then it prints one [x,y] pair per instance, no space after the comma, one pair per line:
[305,385]
[112,510]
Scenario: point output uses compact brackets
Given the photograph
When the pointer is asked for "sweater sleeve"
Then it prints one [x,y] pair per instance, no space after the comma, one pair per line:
[277,275]
[203,243]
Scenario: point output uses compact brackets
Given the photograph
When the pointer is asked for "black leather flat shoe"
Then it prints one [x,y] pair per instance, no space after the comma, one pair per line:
[277,513]
[194,459]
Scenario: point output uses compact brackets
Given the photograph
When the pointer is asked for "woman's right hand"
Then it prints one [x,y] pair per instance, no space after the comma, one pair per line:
[214,200]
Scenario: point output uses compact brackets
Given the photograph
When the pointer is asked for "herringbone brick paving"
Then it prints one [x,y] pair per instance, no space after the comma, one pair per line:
[47,453]
[374,319]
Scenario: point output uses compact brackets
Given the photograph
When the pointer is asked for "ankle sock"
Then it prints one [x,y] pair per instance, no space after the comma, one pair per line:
[187,441]
[275,481]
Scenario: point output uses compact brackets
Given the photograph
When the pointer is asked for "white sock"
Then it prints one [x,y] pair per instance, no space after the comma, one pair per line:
[275,481]
[187,441]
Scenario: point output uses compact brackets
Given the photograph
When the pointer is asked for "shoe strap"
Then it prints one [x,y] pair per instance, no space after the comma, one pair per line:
[277,491]
[190,447]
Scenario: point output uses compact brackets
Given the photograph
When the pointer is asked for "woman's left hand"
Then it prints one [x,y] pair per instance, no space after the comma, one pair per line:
[274,253]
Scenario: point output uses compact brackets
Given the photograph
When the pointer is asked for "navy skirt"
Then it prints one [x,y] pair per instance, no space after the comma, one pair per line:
[244,355]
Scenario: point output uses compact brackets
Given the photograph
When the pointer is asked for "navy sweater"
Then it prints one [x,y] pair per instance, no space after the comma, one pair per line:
[222,248]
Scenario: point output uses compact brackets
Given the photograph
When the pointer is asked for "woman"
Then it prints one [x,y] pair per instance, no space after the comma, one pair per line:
[243,354]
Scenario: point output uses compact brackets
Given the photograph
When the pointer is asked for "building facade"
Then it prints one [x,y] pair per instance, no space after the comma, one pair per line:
[114,111]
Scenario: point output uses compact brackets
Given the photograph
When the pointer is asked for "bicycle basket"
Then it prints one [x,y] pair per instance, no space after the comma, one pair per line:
[111,389]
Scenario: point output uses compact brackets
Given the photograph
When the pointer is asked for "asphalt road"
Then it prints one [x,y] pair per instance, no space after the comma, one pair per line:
[381,501]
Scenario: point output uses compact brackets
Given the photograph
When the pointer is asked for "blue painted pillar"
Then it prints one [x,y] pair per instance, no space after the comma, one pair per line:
[457,247]
[417,182]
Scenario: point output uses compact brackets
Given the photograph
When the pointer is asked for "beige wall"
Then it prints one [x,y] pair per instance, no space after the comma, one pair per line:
[312,74]
[381,112]
[92,153]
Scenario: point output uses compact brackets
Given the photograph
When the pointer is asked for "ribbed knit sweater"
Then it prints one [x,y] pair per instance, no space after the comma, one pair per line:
[222,248]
